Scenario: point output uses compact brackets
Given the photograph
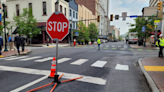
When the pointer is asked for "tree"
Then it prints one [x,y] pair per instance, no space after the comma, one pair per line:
[93,32]
[26,23]
[120,38]
[139,22]
[83,31]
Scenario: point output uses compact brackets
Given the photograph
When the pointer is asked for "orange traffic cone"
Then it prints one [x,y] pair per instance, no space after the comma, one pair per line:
[53,68]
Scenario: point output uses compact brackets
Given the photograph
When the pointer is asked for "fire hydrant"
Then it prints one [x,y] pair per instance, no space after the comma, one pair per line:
[74,42]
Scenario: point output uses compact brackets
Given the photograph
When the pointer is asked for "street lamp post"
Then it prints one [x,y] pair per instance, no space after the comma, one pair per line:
[4,27]
[71,42]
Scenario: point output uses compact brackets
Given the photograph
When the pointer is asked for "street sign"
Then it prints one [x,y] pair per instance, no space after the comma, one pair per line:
[57,26]
[133,16]
[76,33]
[156,22]
[0,17]
[124,15]
[143,28]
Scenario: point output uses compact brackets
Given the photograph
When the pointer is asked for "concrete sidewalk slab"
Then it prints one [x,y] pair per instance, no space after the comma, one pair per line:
[153,69]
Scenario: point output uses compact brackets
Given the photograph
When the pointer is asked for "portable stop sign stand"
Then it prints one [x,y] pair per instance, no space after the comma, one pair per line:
[57,29]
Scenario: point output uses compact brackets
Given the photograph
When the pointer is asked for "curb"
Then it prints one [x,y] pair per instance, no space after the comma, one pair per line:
[23,53]
[150,81]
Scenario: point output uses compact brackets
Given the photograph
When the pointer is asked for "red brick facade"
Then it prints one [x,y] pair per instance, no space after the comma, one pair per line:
[90,4]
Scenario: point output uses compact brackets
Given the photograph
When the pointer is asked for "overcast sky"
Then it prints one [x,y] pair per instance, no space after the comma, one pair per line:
[132,7]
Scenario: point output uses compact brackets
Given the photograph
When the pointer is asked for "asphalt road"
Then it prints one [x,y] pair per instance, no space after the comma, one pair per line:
[112,69]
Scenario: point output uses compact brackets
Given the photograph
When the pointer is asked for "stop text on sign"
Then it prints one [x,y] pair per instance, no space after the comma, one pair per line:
[60,26]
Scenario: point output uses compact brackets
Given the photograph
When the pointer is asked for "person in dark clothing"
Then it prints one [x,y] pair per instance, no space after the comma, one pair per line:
[23,39]
[1,44]
[18,42]
[161,46]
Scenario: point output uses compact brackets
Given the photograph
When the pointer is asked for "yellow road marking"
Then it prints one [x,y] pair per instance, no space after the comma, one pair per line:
[154,68]
[1,56]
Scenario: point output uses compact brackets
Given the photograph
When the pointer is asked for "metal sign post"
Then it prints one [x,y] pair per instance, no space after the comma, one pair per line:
[56,73]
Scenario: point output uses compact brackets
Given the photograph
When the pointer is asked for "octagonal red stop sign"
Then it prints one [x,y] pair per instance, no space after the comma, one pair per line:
[57,26]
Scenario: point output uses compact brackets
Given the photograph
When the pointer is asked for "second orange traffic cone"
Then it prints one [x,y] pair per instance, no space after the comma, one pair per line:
[53,68]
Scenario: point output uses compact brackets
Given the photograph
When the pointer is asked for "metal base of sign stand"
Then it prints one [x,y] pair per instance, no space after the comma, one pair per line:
[55,83]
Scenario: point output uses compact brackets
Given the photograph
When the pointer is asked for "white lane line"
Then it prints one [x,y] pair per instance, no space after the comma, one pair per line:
[79,62]
[45,59]
[88,79]
[122,67]
[113,46]
[29,84]
[63,60]
[99,64]
[14,58]
[30,58]
[8,57]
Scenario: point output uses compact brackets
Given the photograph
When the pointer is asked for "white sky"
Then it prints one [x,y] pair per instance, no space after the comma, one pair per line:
[132,7]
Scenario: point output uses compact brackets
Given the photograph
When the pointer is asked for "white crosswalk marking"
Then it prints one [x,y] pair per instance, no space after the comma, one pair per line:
[99,64]
[8,57]
[45,59]
[113,46]
[30,58]
[63,60]
[79,62]
[14,58]
[107,46]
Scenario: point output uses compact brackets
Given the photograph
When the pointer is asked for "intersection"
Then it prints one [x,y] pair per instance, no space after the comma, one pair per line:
[111,69]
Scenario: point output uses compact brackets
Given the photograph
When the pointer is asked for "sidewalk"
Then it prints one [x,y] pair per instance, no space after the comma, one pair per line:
[135,46]
[153,69]
[11,53]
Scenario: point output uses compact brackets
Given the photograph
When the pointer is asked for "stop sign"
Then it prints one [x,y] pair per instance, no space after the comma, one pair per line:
[57,26]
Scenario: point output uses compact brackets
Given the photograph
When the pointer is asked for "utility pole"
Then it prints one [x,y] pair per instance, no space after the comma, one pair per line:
[107,16]
[156,31]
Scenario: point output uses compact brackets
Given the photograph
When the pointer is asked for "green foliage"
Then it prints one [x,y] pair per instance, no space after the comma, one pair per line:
[139,22]
[93,32]
[2,26]
[26,23]
[120,38]
[83,31]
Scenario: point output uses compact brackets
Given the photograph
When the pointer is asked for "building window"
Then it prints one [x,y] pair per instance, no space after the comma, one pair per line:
[30,6]
[44,8]
[73,14]
[76,15]
[65,11]
[60,8]
[17,10]
[70,13]
[5,11]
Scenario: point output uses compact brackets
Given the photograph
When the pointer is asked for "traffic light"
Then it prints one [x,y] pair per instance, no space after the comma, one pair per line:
[111,17]
[159,6]
[116,17]
[98,18]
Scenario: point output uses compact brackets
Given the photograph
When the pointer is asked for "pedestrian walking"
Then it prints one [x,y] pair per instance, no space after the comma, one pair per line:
[99,43]
[23,39]
[11,42]
[18,42]
[161,45]
[1,44]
